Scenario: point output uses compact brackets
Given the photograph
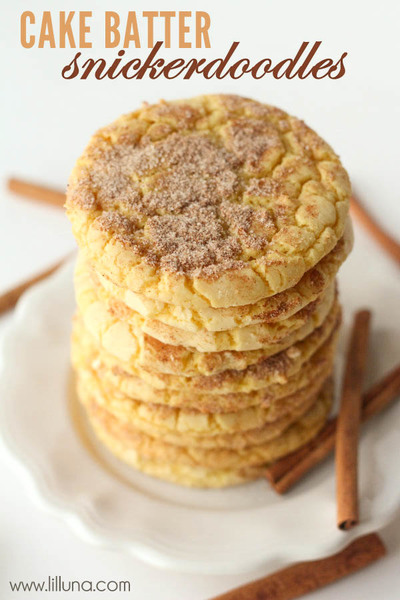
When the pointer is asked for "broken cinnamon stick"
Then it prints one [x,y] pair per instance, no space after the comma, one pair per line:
[36,192]
[9,299]
[388,243]
[305,577]
[348,424]
[287,471]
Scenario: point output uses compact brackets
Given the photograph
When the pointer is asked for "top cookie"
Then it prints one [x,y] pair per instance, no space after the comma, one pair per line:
[220,197]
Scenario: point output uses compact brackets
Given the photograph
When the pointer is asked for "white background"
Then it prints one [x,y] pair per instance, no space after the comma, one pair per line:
[45,123]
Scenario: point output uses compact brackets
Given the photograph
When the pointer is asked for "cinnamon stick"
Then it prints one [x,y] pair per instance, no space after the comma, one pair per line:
[287,471]
[57,198]
[36,192]
[305,577]
[348,424]
[9,299]
[383,238]
[382,393]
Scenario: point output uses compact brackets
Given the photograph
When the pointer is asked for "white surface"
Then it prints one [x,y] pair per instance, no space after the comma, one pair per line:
[168,526]
[45,121]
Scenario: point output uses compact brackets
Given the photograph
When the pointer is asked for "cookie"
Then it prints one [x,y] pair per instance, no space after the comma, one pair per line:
[218,197]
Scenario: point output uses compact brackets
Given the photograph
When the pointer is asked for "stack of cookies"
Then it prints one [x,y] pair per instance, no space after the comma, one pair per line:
[210,234]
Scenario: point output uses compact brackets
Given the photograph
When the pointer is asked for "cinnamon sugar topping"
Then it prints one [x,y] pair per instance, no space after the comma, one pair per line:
[195,188]
[194,240]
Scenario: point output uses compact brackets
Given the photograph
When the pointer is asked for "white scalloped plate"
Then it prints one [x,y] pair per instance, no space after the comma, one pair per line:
[206,531]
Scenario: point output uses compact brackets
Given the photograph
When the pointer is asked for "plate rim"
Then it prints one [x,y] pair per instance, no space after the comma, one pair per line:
[40,490]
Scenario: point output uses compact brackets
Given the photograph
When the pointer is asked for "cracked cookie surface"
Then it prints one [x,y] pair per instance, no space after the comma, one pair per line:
[217,199]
